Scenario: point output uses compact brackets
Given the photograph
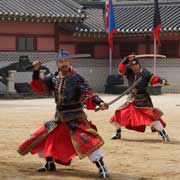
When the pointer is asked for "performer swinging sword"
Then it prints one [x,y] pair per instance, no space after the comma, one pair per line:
[138,111]
[70,133]
[137,81]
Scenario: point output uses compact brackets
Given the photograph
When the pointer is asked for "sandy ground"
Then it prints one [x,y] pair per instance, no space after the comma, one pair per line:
[137,156]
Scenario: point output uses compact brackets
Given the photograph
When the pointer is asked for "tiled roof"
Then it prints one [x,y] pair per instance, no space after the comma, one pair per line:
[93,23]
[59,10]
[139,18]
[134,17]
[131,17]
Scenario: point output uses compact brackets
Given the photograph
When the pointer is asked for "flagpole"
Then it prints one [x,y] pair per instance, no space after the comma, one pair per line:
[155,52]
[110,61]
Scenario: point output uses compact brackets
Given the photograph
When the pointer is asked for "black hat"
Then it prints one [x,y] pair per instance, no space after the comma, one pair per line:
[134,62]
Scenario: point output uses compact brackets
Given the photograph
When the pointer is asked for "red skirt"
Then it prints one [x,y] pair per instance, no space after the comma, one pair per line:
[61,144]
[136,118]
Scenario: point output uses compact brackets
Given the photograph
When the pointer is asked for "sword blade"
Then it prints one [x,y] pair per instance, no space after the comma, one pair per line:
[55,59]
[172,84]
[124,93]
[68,57]
[150,56]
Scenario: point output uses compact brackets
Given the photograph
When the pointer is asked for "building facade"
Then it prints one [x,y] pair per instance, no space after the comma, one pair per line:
[41,28]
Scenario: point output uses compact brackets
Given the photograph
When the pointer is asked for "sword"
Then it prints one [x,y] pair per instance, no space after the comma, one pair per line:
[124,93]
[173,84]
[150,56]
[145,56]
[57,58]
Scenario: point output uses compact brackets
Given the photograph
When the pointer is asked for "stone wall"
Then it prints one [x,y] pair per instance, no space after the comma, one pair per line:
[96,70]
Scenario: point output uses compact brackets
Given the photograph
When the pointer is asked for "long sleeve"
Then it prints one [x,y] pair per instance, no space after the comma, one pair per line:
[88,98]
[155,79]
[123,66]
[40,85]
[36,82]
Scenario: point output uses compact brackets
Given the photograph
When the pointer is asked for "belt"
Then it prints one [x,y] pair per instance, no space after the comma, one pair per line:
[68,107]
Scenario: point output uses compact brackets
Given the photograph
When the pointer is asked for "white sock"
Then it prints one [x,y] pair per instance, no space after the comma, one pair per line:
[157,125]
[95,155]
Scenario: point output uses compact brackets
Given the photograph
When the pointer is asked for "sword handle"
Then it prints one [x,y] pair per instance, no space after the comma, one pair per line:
[29,67]
[97,109]
[105,107]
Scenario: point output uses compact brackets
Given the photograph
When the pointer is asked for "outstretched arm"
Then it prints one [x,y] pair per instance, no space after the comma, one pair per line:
[88,98]
[156,80]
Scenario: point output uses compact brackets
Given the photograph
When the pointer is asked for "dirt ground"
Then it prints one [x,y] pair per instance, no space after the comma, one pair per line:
[137,156]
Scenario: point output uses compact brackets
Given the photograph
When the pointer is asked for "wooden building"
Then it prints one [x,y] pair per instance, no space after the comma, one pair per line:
[39,28]
[48,25]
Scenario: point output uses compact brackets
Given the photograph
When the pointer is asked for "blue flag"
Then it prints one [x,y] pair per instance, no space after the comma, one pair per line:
[110,22]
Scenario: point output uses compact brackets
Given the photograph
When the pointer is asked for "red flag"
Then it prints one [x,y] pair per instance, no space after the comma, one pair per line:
[110,22]
[157,26]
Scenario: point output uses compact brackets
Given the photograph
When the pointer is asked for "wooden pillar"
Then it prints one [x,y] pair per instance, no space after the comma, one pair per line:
[148,44]
[56,36]
[178,53]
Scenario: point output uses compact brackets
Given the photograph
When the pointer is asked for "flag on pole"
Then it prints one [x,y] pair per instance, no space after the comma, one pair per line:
[157,26]
[110,22]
